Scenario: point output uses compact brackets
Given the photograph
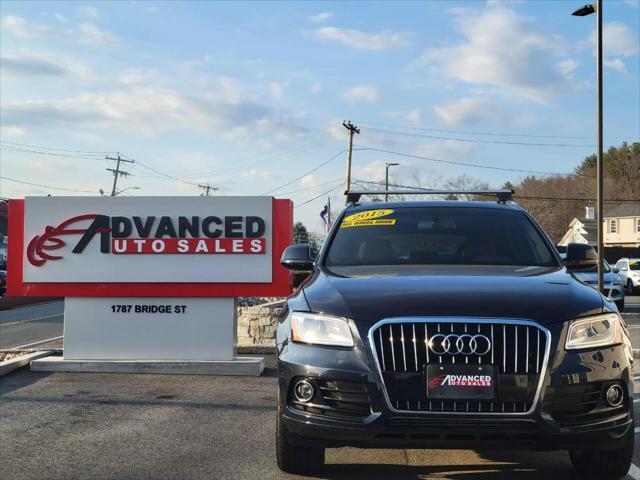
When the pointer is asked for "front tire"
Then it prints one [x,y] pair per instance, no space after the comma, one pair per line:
[630,288]
[293,458]
[608,464]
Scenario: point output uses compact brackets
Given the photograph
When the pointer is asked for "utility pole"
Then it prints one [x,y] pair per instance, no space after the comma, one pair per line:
[600,157]
[117,172]
[347,181]
[206,189]
[583,12]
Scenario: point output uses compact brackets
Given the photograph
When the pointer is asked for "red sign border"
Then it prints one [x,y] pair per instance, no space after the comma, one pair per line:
[280,286]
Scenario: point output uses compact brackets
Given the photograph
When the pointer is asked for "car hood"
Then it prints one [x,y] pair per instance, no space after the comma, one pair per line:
[542,294]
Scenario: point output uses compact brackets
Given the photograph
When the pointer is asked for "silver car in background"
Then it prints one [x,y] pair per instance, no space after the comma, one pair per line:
[613,285]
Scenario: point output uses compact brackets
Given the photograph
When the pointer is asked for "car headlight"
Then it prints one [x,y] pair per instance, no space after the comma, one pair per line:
[319,329]
[598,331]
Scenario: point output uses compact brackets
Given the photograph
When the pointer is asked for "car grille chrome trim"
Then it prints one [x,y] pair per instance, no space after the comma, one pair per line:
[452,407]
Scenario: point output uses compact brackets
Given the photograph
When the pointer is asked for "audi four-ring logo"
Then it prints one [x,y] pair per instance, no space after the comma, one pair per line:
[464,344]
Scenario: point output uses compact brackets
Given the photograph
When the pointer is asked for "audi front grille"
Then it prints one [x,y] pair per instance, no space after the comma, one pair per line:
[517,350]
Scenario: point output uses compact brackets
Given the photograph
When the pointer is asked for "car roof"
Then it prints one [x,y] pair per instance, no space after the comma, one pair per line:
[432,203]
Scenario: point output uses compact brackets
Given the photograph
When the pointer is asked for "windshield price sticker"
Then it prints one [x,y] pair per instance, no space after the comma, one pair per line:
[368,223]
[368,219]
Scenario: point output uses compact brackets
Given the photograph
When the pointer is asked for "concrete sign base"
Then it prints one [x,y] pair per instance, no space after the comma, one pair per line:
[249,366]
[150,335]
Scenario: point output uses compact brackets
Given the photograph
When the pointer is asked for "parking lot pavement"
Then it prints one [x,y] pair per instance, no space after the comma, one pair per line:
[105,426]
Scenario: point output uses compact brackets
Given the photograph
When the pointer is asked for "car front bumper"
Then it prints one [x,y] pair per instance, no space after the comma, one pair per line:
[383,427]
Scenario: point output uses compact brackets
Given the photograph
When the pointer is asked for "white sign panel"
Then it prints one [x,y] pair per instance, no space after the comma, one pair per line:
[177,329]
[148,239]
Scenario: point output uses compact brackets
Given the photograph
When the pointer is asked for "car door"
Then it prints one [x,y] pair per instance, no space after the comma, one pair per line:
[623,269]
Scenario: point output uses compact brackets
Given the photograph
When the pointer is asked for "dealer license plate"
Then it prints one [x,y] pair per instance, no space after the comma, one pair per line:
[460,382]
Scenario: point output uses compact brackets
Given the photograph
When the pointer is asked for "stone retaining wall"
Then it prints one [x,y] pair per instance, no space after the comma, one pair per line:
[257,325]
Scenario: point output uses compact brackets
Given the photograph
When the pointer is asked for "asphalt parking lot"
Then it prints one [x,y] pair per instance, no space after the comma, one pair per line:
[107,426]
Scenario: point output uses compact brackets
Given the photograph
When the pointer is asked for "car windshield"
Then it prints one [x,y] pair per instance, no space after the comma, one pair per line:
[634,265]
[438,236]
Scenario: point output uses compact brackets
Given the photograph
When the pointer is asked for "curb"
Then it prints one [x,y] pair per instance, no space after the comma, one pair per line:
[15,363]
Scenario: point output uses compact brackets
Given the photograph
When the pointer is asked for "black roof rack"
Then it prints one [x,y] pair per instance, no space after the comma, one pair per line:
[353,196]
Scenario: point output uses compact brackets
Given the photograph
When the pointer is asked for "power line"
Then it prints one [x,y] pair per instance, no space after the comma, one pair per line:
[52,154]
[488,167]
[38,147]
[493,134]
[45,186]
[306,173]
[318,196]
[475,140]
[311,188]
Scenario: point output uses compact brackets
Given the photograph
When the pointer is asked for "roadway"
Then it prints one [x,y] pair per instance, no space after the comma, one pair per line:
[34,326]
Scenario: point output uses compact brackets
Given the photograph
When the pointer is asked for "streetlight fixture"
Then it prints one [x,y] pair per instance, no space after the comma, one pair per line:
[386,179]
[583,12]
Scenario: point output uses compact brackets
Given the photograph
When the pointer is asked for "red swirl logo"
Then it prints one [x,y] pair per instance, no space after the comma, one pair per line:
[436,381]
[41,244]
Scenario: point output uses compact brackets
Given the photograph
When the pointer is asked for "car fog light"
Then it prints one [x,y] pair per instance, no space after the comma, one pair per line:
[303,391]
[615,395]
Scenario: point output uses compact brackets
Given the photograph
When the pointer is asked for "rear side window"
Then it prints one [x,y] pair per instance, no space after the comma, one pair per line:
[438,236]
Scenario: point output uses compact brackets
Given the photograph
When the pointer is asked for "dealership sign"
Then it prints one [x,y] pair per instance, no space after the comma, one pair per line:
[148,246]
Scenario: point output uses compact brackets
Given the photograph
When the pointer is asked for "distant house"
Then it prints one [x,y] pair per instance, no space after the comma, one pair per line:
[621,230]
[622,226]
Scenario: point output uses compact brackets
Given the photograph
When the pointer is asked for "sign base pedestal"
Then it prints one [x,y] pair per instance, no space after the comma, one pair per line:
[150,335]
[249,366]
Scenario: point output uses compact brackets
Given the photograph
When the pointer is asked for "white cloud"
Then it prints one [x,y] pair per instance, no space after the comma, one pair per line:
[85,33]
[615,64]
[361,40]
[90,11]
[61,18]
[310,181]
[13,131]
[151,110]
[91,33]
[25,64]
[618,40]
[413,116]
[447,150]
[239,135]
[320,17]
[137,76]
[469,111]
[264,175]
[502,50]
[567,66]
[361,93]
[276,91]
[316,87]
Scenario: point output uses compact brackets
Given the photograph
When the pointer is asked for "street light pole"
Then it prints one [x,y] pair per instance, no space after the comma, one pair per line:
[386,179]
[582,12]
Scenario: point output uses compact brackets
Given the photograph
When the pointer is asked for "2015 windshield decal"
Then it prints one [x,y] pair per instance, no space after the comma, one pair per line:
[187,235]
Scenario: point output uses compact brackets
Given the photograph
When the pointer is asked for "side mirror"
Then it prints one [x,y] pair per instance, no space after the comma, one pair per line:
[616,270]
[297,257]
[581,256]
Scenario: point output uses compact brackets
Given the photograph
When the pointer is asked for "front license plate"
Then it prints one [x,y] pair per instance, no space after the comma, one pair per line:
[460,382]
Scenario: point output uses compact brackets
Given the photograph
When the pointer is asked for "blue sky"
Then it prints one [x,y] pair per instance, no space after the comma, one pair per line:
[250,97]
